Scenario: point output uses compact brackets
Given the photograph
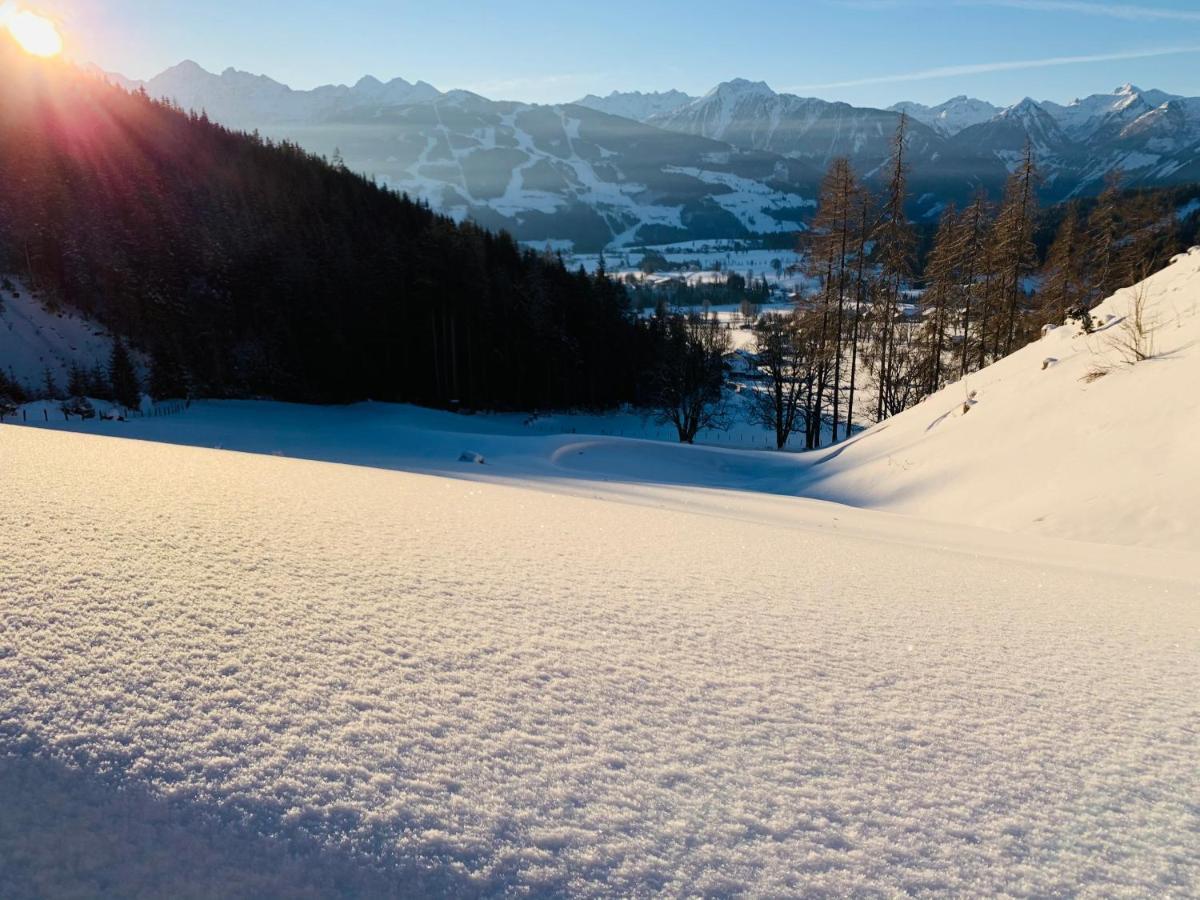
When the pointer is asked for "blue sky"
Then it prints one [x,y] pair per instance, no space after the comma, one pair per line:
[868,52]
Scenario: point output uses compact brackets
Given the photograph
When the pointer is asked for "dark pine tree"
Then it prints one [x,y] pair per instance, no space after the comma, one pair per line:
[123,377]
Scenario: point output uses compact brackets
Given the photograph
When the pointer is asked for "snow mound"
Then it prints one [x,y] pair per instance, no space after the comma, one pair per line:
[1065,437]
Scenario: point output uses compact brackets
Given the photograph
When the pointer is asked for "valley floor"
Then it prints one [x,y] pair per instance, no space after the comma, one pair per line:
[587,667]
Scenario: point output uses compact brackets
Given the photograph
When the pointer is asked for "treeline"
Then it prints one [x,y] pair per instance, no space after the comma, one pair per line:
[246,268]
[879,335]
[117,382]
[743,291]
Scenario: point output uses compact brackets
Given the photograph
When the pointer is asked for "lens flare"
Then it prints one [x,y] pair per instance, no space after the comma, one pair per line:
[36,34]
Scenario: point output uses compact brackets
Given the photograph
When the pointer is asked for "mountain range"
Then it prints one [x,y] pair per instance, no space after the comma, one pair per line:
[637,168]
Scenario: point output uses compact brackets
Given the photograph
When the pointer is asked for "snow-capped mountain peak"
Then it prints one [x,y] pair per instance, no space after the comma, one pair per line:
[951,117]
[751,116]
[741,87]
[1004,137]
[396,92]
[245,100]
[1025,110]
[1085,118]
[187,69]
[641,107]
[1041,127]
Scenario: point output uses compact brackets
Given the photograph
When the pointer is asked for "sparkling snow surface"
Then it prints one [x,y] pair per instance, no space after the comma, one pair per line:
[309,676]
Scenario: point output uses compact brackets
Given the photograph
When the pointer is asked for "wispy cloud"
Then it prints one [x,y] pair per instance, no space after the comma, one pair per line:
[1129,12]
[1004,66]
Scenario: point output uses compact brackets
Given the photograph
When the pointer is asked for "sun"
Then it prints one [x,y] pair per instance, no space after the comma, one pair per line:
[36,34]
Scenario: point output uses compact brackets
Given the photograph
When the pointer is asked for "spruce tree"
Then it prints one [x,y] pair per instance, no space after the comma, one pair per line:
[167,380]
[98,383]
[122,377]
[77,385]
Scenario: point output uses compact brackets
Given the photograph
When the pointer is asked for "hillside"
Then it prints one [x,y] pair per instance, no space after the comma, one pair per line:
[253,268]
[565,173]
[35,340]
[1065,437]
[585,173]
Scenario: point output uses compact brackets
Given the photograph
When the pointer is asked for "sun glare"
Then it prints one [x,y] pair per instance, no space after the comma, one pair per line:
[36,34]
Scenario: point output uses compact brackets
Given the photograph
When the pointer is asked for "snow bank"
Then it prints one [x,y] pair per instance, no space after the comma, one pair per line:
[297,677]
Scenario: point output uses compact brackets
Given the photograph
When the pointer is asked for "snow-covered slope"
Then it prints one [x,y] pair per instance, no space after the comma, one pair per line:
[232,675]
[572,174]
[1005,137]
[1064,437]
[35,340]
[565,173]
[1083,119]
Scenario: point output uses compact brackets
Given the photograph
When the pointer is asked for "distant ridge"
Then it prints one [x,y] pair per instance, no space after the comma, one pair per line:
[657,167]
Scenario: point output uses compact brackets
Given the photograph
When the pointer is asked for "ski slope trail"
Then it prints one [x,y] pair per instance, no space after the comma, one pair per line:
[241,675]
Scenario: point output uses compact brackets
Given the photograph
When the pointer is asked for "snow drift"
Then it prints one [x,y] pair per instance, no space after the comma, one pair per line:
[1065,437]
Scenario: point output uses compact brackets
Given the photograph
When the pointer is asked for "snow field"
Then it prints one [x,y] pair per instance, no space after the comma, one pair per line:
[436,685]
